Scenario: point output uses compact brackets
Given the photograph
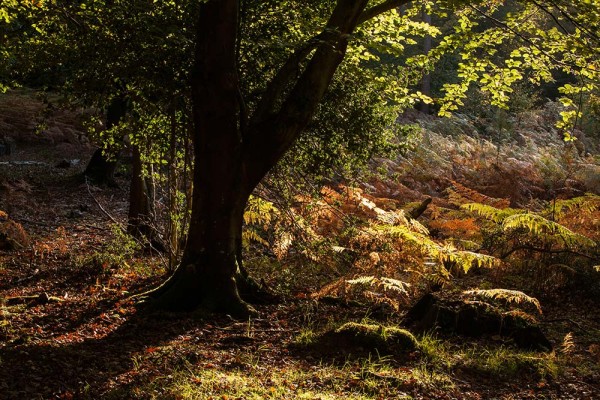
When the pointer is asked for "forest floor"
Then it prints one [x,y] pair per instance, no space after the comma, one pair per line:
[69,328]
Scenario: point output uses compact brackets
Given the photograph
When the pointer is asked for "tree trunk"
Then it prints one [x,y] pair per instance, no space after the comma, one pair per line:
[231,158]
[101,169]
[139,218]
[206,277]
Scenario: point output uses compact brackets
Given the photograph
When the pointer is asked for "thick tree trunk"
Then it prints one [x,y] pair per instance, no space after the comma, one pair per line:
[206,277]
[210,270]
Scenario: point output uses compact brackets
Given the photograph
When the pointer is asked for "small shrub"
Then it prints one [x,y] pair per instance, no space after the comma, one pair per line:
[12,234]
[118,251]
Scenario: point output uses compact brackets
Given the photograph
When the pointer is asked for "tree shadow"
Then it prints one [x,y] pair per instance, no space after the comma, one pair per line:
[83,369]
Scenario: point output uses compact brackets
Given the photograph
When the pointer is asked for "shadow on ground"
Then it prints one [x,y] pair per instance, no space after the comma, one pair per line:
[84,369]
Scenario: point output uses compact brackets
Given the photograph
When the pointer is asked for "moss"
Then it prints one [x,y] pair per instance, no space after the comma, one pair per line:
[401,337]
[373,337]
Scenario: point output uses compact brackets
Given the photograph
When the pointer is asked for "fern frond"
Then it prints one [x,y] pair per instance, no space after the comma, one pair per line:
[282,244]
[388,284]
[490,213]
[362,280]
[403,232]
[250,235]
[391,217]
[587,203]
[460,194]
[465,259]
[464,244]
[568,344]
[395,285]
[259,211]
[509,296]
[418,227]
[538,225]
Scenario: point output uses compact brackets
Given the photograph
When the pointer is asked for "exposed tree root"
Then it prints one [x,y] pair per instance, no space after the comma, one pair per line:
[190,290]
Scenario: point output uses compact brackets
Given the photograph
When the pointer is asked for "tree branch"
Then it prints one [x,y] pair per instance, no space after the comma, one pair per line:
[524,38]
[380,9]
[113,220]
[556,20]
[575,22]
[269,138]
[278,84]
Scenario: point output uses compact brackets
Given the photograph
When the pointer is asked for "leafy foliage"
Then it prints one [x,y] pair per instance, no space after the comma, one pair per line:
[257,217]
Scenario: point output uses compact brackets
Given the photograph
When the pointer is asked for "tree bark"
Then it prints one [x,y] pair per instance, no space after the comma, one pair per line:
[206,277]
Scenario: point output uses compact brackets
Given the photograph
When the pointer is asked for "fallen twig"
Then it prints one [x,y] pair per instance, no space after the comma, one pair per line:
[119,225]
[100,206]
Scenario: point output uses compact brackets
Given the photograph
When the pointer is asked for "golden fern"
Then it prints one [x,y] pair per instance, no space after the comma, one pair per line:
[249,235]
[392,217]
[468,259]
[509,296]
[568,344]
[446,253]
[418,227]
[548,230]
[381,288]
[258,213]
[464,244]
[513,219]
[490,213]
[395,285]
[587,203]
[460,194]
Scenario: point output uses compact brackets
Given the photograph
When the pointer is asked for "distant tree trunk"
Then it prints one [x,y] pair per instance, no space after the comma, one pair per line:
[101,169]
[140,207]
[233,154]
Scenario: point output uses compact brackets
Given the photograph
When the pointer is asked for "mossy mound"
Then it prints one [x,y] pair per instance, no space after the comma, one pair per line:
[353,337]
[475,319]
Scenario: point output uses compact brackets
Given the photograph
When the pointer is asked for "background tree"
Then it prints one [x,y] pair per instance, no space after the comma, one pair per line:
[103,55]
